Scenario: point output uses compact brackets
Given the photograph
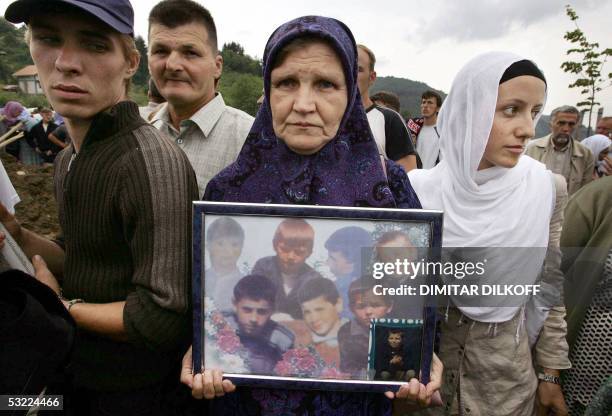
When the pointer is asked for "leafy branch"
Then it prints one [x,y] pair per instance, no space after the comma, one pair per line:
[589,62]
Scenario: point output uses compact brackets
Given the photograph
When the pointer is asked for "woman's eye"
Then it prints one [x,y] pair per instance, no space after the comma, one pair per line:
[286,83]
[326,84]
[510,111]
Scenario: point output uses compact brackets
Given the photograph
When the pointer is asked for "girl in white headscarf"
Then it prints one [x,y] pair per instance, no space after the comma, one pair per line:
[493,196]
[599,145]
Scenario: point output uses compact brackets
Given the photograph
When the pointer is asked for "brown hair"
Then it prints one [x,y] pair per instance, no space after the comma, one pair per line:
[174,13]
[294,232]
[371,55]
[432,94]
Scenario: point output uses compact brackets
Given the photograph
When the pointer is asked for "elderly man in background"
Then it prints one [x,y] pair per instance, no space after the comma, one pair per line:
[561,152]
[185,65]
[604,126]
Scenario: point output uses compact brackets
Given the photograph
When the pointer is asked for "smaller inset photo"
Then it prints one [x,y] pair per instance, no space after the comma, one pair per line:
[395,349]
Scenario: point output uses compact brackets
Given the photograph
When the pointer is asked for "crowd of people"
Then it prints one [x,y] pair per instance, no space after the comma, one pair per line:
[120,272]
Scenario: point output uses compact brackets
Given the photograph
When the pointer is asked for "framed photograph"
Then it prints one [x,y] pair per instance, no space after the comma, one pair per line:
[313,297]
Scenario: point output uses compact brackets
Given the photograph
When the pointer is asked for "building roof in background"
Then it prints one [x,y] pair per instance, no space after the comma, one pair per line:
[26,71]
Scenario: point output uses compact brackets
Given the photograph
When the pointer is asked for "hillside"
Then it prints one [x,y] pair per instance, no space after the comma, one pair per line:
[408,91]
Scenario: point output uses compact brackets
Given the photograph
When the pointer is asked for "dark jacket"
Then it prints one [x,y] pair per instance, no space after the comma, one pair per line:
[38,138]
[36,334]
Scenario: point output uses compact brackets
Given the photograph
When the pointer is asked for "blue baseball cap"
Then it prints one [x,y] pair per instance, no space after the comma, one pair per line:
[118,14]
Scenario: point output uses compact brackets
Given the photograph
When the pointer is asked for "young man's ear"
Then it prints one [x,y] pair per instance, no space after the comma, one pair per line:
[372,78]
[133,62]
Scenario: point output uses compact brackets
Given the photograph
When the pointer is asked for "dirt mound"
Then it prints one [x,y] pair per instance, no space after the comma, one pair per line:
[37,210]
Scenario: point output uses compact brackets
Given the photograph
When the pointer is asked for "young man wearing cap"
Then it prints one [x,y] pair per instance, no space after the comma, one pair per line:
[124,196]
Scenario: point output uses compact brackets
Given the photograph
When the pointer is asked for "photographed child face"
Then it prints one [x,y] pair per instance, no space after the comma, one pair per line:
[253,315]
[320,315]
[369,306]
[338,264]
[224,252]
[399,248]
[394,339]
[291,257]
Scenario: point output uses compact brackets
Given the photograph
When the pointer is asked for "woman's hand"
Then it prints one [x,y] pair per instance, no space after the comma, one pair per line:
[423,395]
[207,385]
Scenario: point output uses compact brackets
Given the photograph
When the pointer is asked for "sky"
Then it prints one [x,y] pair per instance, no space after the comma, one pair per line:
[427,40]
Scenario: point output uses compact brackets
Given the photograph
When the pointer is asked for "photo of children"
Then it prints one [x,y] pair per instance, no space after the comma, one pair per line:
[345,260]
[354,336]
[287,296]
[395,353]
[293,242]
[264,340]
[398,245]
[321,306]
[224,242]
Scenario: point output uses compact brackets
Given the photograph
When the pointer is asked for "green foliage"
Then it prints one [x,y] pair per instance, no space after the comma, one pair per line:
[409,93]
[141,77]
[241,90]
[588,66]
[234,59]
[14,53]
[138,94]
[27,100]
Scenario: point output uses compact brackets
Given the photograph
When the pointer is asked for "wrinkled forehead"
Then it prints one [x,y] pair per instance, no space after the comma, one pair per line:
[328,30]
[566,116]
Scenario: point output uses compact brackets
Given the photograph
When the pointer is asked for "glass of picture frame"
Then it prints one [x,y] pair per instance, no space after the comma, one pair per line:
[285,296]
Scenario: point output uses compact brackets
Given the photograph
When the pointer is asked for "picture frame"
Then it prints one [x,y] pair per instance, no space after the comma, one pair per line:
[283,294]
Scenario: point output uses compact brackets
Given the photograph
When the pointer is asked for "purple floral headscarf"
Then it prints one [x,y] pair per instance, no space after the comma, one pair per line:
[347,171]
[12,110]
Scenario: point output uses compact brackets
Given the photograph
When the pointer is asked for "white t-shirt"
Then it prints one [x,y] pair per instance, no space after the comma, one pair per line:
[428,146]
[8,195]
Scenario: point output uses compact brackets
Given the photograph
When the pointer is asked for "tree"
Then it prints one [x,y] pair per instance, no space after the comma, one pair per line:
[241,90]
[234,59]
[14,53]
[588,66]
[141,77]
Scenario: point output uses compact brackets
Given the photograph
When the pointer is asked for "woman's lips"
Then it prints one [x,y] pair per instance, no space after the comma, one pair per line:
[516,149]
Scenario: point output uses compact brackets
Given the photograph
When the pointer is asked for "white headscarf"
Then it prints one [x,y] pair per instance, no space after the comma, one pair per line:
[597,144]
[495,207]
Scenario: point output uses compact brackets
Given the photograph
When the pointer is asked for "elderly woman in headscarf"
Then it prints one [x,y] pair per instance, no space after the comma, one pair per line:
[310,144]
[599,145]
[494,196]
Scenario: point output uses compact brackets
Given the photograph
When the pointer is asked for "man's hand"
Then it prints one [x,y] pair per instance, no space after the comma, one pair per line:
[43,275]
[208,385]
[550,398]
[423,395]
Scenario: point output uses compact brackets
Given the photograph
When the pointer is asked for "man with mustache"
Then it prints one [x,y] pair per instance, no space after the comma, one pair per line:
[124,195]
[563,154]
[185,65]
